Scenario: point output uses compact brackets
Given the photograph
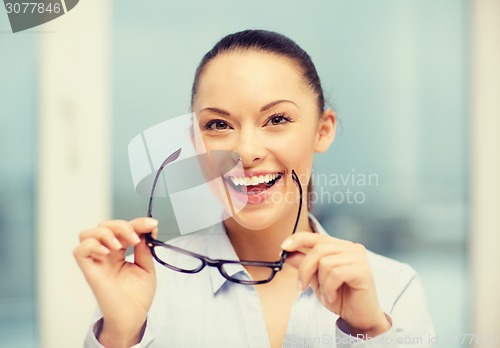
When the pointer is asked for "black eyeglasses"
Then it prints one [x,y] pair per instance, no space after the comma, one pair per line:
[185,261]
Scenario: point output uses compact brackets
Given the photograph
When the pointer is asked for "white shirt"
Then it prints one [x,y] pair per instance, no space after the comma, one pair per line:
[206,310]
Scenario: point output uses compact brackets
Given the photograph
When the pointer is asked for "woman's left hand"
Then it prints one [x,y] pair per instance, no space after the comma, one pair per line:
[339,273]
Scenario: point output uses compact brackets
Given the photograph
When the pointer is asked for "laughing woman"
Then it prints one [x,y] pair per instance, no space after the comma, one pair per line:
[258,94]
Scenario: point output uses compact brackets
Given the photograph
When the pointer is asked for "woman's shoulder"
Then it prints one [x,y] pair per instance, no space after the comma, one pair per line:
[389,266]
[390,271]
[392,278]
[384,269]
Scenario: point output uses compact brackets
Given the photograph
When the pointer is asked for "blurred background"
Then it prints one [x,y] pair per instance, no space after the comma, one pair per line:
[413,172]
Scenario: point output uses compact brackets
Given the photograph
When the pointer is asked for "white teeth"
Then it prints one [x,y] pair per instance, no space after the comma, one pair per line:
[254,180]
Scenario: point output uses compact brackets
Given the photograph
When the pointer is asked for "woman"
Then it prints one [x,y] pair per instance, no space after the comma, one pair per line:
[258,94]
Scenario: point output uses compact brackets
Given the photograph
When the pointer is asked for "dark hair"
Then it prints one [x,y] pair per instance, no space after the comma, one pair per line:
[270,42]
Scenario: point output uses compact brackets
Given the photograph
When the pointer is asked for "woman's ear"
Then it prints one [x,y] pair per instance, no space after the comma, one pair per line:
[327,127]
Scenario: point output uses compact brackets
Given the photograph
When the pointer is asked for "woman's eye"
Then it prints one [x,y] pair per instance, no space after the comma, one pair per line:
[277,120]
[217,125]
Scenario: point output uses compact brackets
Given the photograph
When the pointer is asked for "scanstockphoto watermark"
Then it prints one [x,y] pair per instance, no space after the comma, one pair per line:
[457,340]
[329,340]
[28,14]
[334,188]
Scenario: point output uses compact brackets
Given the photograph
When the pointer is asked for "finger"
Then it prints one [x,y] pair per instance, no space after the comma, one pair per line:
[144,225]
[308,240]
[103,235]
[355,257]
[154,234]
[143,257]
[314,283]
[114,238]
[337,280]
[294,258]
[310,263]
[123,230]
[88,248]
[332,274]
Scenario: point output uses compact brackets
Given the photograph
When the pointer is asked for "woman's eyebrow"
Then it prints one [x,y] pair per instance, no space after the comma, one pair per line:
[217,111]
[271,104]
[264,108]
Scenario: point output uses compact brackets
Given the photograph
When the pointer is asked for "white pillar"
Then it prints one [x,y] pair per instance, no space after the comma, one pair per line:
[74,167]
[485,168]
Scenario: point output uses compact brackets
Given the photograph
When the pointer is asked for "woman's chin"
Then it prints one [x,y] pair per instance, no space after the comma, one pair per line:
[255,219]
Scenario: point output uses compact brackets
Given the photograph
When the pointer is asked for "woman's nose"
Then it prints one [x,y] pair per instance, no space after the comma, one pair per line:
[250,147]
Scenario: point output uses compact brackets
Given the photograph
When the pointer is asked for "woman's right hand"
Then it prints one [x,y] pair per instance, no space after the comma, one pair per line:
[123,290]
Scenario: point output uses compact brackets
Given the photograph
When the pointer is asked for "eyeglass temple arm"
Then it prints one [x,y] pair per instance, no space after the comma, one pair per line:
[295,178]
[168,160]
[297,181]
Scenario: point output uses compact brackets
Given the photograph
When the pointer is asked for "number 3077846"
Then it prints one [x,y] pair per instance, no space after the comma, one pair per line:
[32,7]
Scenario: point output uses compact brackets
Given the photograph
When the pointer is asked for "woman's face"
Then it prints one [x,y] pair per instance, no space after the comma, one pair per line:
[257,104]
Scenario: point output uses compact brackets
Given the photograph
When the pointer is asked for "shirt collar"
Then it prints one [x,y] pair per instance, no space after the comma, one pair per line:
[316,226]
[219,247]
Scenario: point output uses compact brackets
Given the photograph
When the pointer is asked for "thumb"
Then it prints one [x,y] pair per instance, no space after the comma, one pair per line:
[294,258]
[143,257]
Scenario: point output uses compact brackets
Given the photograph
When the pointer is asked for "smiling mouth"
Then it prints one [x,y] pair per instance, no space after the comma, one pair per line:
[253,185]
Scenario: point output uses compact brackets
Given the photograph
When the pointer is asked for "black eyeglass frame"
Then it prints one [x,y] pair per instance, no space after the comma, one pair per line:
[219,263]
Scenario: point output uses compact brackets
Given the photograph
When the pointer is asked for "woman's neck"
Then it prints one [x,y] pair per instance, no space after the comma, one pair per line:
[264,245]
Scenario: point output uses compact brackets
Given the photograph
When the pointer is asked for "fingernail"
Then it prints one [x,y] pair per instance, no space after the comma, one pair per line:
[151,222]
[286,244]
[116,243]
[135,238]
[299,285]
[322,299]
[104,250]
